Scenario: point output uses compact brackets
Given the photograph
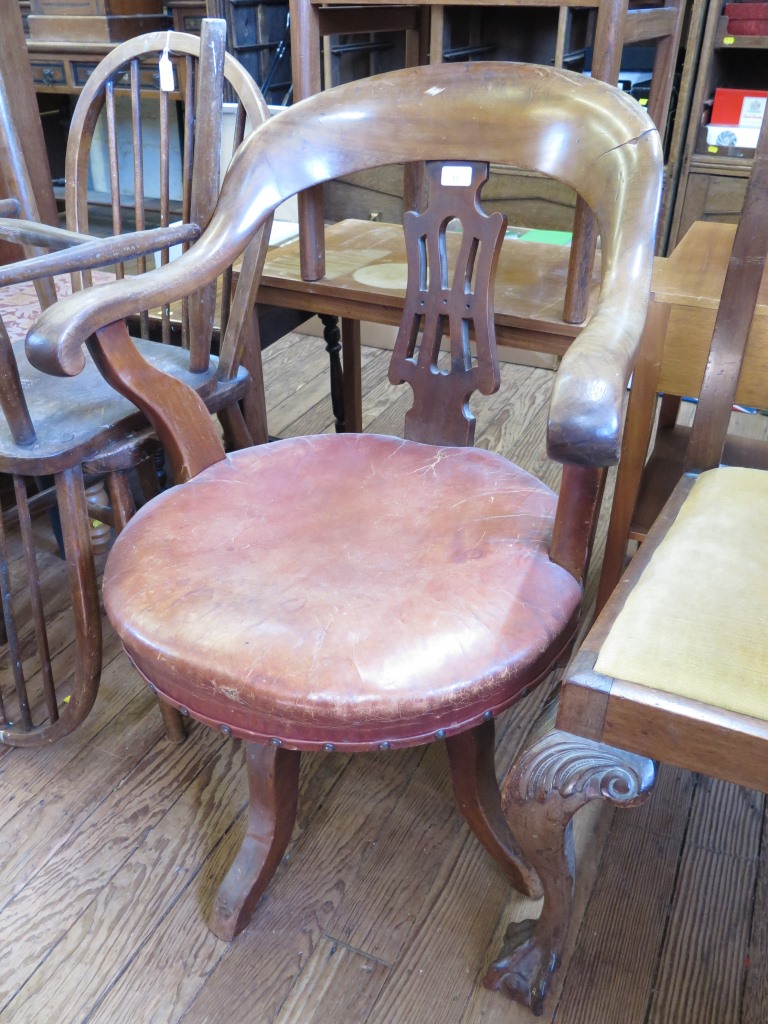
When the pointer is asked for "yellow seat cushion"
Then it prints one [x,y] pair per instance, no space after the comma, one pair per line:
[695,624]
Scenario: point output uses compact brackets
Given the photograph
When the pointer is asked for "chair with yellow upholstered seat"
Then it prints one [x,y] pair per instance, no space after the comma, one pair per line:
[675,667]
[688,285]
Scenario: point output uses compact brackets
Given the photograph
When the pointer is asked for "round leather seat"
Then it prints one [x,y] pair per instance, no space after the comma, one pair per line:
[350,591]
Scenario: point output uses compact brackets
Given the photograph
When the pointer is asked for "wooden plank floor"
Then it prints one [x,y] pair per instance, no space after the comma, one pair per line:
[386,909]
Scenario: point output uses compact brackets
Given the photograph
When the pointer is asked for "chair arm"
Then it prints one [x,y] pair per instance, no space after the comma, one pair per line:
[33,232]
[55,344]
[588,397]
[82,252]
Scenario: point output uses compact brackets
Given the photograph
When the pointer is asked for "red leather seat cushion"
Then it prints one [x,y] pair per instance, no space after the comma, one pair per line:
[349,590]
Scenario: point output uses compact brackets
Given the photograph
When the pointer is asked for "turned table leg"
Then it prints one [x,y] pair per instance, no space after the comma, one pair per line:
[552,779]
[273,784]
[332,338]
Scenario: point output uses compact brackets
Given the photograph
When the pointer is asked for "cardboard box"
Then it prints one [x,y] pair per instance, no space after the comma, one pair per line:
[732,135]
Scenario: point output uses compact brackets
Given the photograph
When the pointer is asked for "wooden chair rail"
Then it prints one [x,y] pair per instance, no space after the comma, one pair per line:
[85,252]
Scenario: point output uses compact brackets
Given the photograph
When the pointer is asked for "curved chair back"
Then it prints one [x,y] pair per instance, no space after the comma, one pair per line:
[588,135]
[144,142]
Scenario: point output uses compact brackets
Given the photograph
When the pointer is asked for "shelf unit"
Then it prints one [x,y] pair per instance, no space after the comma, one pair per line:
[713,179]
[257,32]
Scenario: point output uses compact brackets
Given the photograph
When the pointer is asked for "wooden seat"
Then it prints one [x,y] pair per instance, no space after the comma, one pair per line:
[361,592]
[674,667]
[73,432]
[616,24]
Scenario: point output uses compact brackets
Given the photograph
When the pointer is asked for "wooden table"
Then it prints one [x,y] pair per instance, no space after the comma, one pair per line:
[365,281]
[691,280]
[693,274]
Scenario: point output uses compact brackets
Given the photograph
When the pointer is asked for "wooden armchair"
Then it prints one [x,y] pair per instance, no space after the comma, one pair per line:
[71,432]
[447,582]
[675,667]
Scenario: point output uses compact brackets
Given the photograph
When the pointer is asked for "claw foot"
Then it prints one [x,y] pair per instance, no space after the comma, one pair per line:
[524,968]
[549,782]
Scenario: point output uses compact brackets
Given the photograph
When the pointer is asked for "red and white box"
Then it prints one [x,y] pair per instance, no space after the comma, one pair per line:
[737,115]
[742,107]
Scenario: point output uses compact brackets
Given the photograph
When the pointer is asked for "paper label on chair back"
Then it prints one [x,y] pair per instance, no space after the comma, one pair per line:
[165,68]
[458,177]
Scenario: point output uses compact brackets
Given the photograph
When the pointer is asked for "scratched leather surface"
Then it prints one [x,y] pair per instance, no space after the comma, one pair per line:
[349,589]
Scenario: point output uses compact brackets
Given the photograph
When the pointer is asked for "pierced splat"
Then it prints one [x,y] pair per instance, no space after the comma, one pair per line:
[449,296]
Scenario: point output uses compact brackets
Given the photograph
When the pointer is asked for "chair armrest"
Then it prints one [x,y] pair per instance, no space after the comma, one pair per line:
[55,344]
[83,252]
[588,397]
[33,232]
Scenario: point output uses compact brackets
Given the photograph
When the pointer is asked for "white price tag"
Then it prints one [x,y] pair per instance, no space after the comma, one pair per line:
[456,176]
[165,68]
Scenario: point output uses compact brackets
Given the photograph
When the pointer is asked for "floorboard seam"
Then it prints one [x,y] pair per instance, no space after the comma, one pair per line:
[355,949]
[663,939]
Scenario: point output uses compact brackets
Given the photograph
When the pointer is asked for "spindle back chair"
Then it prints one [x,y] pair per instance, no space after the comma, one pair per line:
[75,432]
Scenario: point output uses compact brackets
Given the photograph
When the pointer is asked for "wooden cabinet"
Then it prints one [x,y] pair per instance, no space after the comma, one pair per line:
[713,177]
[93,21]
[64,67]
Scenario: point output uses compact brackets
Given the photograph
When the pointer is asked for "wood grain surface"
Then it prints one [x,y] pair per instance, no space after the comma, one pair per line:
[113,842]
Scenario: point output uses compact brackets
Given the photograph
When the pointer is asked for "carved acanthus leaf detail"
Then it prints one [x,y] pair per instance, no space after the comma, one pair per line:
[571,765]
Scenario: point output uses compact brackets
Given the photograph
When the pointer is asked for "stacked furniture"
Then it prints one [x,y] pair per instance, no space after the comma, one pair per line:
[73,431]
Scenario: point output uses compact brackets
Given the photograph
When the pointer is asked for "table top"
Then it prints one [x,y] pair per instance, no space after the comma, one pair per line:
[366,276]
[693,274]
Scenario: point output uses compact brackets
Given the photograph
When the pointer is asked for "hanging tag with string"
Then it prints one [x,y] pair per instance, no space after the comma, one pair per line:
[165,67]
